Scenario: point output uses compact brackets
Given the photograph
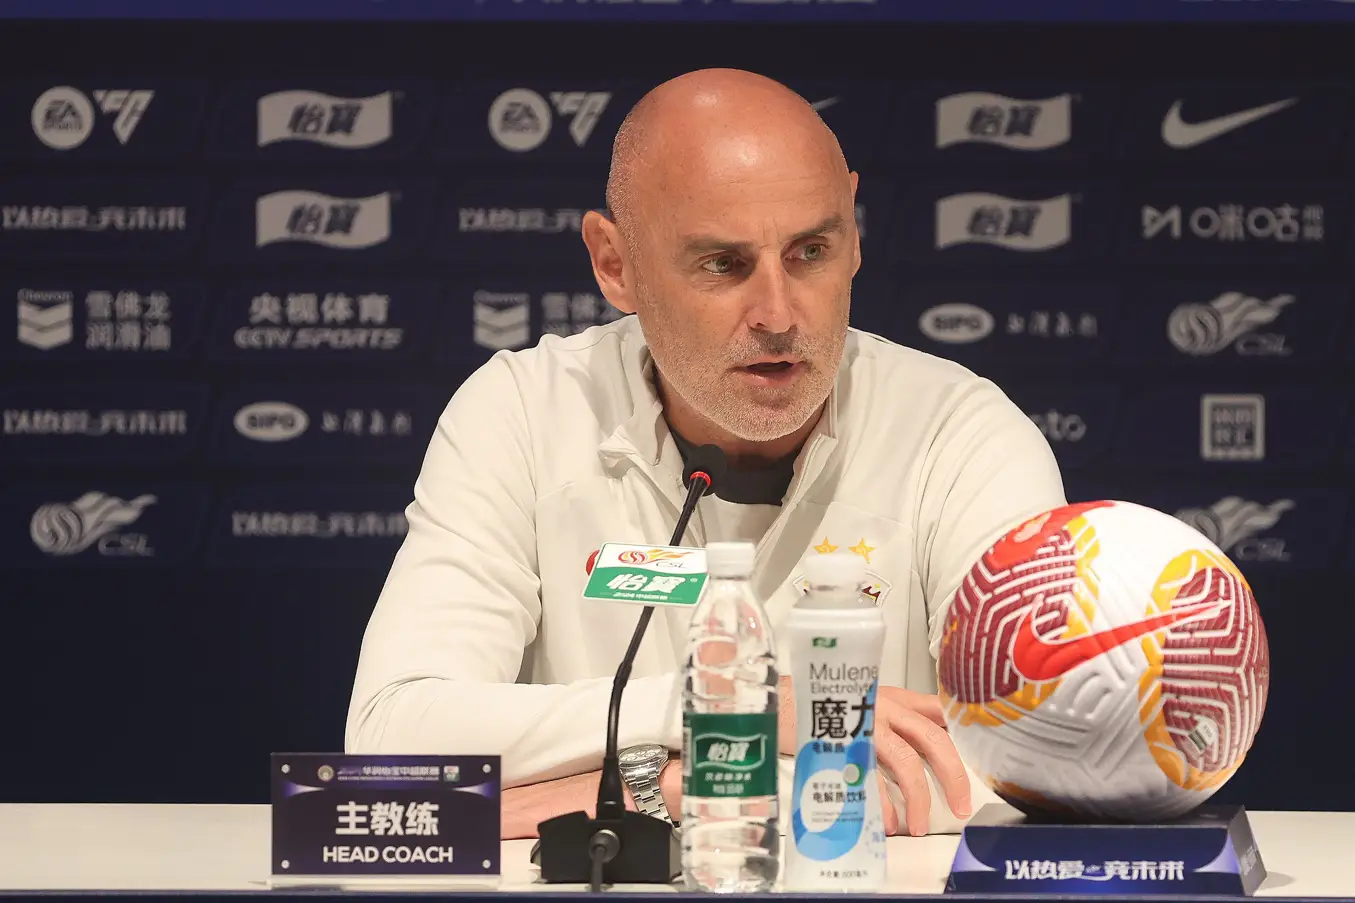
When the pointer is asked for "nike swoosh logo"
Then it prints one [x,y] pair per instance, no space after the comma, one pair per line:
[825,103]
[1038,659]
[1180,134]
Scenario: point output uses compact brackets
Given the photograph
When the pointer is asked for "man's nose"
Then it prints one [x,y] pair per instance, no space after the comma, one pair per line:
[771,308]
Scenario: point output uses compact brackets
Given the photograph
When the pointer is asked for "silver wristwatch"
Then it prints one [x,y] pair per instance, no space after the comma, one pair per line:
[640,769]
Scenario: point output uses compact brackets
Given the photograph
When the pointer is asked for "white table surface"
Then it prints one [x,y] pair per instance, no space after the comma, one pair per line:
[119,847]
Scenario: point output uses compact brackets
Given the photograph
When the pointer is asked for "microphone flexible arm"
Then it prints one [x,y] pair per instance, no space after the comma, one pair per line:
[611,797]
[615,845]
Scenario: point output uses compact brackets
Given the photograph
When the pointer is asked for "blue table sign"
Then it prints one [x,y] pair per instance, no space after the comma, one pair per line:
[337,818]
[1210,851]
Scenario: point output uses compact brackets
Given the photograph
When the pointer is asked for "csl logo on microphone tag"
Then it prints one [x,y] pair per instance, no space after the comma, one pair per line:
[648,575]
[656,557]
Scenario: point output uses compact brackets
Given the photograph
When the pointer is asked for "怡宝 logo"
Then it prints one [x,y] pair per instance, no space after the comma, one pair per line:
[1010,223]
[350,123]
[981,117]
[334,222]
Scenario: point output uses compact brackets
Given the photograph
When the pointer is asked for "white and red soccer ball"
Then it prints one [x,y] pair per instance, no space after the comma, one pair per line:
[1104,661]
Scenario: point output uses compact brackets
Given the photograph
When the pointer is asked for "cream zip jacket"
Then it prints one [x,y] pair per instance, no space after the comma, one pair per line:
[481,642]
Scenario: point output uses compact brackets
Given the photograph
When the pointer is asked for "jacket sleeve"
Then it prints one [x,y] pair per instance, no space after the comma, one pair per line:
[445,643]
[989,470]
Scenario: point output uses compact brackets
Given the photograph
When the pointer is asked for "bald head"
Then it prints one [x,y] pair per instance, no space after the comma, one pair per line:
[711,126]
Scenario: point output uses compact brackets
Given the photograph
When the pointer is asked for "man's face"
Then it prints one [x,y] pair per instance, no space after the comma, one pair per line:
[743,294]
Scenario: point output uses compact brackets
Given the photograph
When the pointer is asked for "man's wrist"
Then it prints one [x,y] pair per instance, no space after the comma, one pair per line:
[670,786]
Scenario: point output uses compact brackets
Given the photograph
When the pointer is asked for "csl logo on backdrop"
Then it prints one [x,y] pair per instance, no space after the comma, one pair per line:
[1077,423]
[1011,123]
[110,321]
[289,526]
[496,121]
[1235,224]
[100,423]
[327,318]
[1291,528]
[350,120]
[1030,322]
[139,121]
[107,219]
[513,221]
[305,424]
[358,221]
[1207,428]
[100,524]
[1247,322]
[1226,123]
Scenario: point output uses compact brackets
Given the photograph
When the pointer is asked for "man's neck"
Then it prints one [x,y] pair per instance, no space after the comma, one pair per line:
[741,454]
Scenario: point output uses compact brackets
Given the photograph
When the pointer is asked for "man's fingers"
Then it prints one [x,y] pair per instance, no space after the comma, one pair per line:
[934,745]
[904,763]
[785,718]
[927,705]
[887,810]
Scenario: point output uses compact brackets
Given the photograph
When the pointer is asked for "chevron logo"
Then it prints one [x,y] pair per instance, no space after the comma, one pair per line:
[502,320]
[45,324]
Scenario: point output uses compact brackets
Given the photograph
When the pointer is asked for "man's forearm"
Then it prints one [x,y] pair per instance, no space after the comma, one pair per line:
[541,731]
[526,807]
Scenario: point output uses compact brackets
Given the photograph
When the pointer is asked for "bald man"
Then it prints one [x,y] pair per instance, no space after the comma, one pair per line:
[732,238]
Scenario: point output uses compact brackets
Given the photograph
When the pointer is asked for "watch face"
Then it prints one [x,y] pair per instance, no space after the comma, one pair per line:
[639,755]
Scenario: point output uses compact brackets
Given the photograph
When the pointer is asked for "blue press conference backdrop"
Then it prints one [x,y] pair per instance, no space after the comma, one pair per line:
[248,263]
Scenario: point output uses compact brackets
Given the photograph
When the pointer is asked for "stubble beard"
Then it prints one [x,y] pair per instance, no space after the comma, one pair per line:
[722,396]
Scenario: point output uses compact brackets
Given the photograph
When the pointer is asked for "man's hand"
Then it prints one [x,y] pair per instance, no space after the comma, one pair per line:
[910,729]
[523,808]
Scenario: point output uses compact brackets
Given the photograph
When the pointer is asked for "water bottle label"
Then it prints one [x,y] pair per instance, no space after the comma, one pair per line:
[726,755]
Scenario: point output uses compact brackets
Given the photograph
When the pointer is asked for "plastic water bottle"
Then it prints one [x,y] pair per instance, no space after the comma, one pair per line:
[730,834]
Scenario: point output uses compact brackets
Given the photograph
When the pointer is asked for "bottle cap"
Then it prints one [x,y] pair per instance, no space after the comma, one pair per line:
[836,569]
[729,559]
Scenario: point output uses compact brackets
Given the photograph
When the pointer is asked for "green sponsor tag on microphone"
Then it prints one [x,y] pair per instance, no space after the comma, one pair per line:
[647,575]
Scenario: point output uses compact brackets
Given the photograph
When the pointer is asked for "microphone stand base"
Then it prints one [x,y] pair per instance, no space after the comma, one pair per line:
[650,853]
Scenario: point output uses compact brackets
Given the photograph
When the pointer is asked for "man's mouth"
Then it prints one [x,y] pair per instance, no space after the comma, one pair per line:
[773,372]
[770,367]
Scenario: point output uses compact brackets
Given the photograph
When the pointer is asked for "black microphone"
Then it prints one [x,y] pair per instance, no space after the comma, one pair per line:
[619,846]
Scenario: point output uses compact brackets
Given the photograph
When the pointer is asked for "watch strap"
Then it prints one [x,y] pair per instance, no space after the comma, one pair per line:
[648,795]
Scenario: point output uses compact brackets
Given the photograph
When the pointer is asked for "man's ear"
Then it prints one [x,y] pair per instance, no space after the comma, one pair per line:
[855,178]
[611,264]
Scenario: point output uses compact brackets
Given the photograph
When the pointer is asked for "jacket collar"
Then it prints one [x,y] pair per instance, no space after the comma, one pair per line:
[644,439]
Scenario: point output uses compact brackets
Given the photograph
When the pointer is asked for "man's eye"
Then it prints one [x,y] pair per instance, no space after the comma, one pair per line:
[719,265]
[814,252]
